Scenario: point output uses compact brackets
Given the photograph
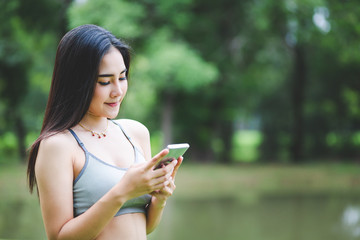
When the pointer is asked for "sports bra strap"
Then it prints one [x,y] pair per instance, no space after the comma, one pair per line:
[78,140]
[126,135]
[136,150]
[122,129]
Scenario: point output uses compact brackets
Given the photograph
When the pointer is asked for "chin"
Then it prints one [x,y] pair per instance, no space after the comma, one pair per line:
[112,116]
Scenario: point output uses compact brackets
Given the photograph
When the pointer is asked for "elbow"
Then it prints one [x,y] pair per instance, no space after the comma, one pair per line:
[149,230]
[149,227]
[53,237]
[57,236]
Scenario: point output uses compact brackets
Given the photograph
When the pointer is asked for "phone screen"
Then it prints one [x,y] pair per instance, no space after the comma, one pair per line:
[175,151]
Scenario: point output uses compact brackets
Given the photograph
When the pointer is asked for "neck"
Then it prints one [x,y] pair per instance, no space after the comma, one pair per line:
[94,123]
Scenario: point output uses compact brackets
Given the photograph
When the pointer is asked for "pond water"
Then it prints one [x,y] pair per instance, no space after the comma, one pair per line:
[293,217]
[270,218]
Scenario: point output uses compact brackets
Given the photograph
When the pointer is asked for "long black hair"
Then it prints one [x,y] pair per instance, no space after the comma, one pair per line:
[73,82]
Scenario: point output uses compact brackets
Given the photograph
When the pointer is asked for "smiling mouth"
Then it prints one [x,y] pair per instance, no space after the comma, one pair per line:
[113,104]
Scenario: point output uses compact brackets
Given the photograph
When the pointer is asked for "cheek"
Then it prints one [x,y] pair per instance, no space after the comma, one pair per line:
[100,93]
[97,97]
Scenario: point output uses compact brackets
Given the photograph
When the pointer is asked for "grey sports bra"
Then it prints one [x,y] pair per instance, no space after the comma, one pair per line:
[97,177]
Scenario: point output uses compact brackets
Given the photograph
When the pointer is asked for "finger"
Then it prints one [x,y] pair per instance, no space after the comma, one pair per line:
[179,161]
[157,158]
[161,172]
[160,180]
[170,167]
[160,195]
[172,184]
[167,191]
[161,186]
[165,170]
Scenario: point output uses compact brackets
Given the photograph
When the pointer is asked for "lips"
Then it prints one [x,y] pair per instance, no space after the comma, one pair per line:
[114,104]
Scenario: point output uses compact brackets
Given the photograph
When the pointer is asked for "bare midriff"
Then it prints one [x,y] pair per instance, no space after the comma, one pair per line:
[125,227]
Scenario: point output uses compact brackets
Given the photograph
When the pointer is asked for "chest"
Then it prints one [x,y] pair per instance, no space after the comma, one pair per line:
[115,151]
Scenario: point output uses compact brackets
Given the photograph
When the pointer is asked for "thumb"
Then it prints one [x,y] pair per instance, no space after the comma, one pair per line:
[157,158]
[180,159]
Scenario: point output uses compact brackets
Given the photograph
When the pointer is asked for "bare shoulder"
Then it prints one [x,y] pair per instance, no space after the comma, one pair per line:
[58,146]
[134,128]
[54,179]
[139,133]
[58,139]
[59,142]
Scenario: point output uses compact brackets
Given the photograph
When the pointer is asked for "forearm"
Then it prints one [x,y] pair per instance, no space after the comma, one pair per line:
[91,223]
[154,214]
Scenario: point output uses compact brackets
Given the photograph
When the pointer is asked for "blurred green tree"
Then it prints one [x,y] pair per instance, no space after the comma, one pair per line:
[274,61]
[23,24]
[308,105]
[167,61]
[217,30]
[286,68]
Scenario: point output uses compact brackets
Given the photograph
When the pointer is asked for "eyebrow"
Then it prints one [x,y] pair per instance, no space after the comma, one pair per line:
[111,75]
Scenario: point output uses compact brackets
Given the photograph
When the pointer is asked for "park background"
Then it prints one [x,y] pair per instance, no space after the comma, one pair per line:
[266,92]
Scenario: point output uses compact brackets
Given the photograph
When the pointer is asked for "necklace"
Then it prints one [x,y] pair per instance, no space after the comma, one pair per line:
[93,133]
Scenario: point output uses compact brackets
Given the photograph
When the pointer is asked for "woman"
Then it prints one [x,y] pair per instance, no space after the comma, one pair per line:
[95,177]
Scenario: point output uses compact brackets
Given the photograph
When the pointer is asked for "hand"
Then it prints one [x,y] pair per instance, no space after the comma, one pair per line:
[141,179]
[160,196]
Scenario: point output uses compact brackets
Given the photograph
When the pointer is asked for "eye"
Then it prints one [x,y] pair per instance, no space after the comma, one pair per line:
[122,78]
[104,83]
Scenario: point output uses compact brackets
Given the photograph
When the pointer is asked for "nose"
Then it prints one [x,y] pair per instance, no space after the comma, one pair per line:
[116,91]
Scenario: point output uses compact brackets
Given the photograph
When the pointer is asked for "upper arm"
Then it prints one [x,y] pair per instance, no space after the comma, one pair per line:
[54,176]
[140,134]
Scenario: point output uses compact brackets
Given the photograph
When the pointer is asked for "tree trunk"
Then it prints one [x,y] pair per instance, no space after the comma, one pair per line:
[21,135]
[226,134]
[298,92]
[223,127]
[167,118]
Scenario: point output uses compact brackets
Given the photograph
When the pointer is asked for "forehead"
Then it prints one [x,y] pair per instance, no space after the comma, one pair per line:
[112,62]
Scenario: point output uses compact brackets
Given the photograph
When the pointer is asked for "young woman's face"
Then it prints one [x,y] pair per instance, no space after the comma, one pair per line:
[111,86]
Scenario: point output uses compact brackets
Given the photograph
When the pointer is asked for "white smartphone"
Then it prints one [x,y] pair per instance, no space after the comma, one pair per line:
[175,151]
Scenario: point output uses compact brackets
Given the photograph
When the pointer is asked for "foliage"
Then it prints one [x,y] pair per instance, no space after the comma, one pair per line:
[246,143]
[174,66]
[287,69]
[121,17]
[166,63]
[20,31]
